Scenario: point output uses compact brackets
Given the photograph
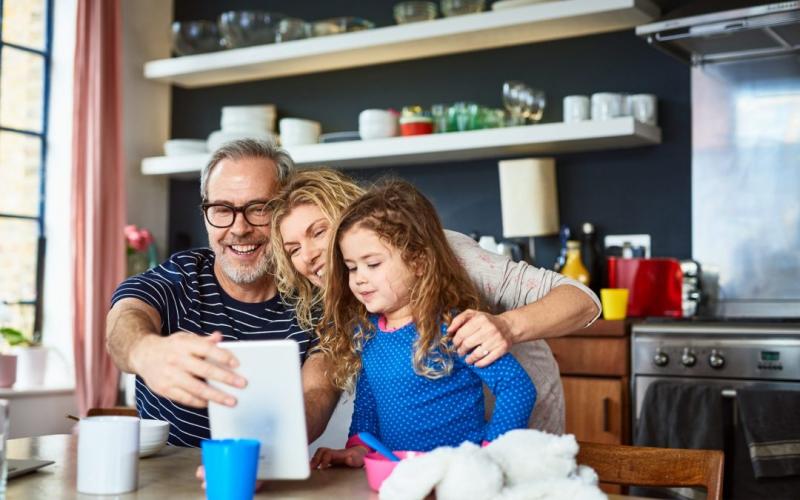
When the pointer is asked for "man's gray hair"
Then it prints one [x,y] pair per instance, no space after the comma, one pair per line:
[248,148]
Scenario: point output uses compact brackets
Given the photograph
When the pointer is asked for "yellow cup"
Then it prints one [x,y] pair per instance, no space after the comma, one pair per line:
[615,302]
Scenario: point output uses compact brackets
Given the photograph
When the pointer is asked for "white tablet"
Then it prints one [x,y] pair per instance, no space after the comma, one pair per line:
[269,409]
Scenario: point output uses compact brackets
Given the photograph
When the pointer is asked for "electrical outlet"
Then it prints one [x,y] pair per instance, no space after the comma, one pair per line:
[635,240]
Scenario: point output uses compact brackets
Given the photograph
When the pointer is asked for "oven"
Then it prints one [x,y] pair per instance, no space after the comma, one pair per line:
[730,355]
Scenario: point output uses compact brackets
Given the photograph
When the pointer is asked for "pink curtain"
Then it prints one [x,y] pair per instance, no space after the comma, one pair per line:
[98,196]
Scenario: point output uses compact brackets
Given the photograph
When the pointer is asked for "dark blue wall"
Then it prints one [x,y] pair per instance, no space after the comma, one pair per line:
[642,190]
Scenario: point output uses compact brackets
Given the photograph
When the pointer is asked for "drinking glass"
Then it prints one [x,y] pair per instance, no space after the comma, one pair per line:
[532,103]
[511,100]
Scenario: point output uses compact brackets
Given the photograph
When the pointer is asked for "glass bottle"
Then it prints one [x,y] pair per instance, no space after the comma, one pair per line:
[574,267]
[590,255]
[564,234]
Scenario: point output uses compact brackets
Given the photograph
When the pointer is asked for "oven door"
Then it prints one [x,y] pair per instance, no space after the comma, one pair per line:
[727,386]
[740,483]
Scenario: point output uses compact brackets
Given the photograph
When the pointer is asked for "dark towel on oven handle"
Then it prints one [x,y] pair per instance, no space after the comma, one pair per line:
[681,415]
[771,421]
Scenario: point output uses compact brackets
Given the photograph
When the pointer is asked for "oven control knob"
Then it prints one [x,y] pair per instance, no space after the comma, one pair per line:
[660,358]
[688,358]
[715,359]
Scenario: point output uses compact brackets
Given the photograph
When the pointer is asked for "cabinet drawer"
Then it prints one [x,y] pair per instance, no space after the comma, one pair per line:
[591,356]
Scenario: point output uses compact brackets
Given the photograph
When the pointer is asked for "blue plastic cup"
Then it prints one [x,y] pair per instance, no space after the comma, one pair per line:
[231,467]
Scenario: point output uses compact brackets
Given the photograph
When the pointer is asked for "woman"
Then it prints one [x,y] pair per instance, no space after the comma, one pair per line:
[536,304]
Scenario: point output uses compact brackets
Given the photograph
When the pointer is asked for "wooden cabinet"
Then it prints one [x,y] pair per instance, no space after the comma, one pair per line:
[595,409]
[595,370]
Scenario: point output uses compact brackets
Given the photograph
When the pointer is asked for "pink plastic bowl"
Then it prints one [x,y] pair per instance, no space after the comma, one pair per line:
[378,467]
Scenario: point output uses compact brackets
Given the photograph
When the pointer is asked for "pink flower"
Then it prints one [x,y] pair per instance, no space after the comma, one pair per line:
[138,239]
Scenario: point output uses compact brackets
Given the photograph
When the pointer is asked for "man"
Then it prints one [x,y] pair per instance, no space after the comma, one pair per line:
[165,324]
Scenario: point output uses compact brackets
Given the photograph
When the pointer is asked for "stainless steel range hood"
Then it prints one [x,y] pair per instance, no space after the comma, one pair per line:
[726,30]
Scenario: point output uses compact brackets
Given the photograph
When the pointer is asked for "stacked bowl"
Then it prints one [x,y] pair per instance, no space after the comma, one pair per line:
[153,436]
[244,122]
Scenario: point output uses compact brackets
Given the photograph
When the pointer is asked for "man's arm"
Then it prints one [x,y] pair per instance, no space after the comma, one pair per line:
[175,366]
[321,396]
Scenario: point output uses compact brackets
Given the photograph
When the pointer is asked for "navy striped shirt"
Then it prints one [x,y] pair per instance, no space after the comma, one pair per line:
[187,295]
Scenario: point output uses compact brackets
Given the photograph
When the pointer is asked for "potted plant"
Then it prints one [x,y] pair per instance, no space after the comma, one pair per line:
[30,358]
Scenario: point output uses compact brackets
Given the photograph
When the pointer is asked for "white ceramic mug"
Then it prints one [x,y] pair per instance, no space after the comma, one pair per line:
[644,108]
[576,108]
[108,455]
[606,105]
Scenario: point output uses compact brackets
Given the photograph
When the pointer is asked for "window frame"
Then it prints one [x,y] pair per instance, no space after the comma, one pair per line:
[46,54]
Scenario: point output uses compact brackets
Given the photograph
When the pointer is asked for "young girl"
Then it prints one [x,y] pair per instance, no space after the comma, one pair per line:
[392,287]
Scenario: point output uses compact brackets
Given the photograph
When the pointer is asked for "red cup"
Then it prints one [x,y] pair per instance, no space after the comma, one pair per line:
[379,467]
[416,126]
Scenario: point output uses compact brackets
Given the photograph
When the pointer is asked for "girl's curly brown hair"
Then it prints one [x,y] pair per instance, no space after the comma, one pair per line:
[403,218]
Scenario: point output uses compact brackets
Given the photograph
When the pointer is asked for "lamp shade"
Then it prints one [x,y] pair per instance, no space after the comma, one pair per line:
[528,197]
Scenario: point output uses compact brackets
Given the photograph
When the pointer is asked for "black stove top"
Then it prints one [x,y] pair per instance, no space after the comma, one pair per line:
[724,319]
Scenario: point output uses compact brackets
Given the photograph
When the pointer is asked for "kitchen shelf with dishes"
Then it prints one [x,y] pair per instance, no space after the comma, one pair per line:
[485,30]
[548,138]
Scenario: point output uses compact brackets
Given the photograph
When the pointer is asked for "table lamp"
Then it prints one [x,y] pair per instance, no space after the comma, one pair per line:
[529,199]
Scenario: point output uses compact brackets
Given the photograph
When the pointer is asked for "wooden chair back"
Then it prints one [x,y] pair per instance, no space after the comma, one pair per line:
[123,411]
[661,467]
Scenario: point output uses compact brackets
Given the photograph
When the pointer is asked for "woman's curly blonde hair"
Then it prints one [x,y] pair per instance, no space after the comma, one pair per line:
[403,218]
[330,191]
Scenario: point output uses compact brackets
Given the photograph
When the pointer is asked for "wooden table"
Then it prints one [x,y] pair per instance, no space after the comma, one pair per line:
[169,474]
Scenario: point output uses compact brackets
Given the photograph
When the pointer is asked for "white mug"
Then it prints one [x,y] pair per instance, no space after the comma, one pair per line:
[644,109]
[576,108]
[108,455]
[606,105]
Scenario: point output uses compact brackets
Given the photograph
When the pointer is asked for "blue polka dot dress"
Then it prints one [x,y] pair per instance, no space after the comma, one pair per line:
[411,412]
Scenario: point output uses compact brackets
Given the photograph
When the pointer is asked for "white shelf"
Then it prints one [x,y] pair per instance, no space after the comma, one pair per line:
[550,138]
[485,30]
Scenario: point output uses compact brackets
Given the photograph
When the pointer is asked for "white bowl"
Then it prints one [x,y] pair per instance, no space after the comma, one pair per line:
[220,137]
[153,436]
[297,131]
[377,124]
[179,147]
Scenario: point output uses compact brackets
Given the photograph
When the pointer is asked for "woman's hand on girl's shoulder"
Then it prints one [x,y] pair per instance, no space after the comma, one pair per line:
[482,337]
[327,457]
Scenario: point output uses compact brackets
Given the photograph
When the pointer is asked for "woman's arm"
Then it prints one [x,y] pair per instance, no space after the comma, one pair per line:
[538,303]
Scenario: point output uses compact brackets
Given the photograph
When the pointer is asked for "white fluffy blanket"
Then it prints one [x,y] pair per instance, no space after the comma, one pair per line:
[520,465]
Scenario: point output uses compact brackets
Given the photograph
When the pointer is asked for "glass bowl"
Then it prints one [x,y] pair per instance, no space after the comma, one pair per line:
[452,8]
[195,37]
[412,12]
[292,28]
[244,28]
[344,24]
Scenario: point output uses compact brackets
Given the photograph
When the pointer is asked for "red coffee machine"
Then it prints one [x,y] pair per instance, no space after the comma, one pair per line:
[654,285]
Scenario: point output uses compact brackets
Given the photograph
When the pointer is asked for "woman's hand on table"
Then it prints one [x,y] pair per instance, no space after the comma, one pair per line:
[351,457]
[200,474]
[485,337]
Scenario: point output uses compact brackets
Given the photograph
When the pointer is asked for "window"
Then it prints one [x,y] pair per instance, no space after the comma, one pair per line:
[25,33]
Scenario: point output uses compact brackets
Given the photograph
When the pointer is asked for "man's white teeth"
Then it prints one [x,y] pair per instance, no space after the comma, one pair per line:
[244,248]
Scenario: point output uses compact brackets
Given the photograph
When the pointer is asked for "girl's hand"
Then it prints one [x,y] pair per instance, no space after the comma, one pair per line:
[351,457]
[485,337]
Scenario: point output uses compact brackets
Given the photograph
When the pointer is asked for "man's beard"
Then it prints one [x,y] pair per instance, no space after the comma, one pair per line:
[246,275]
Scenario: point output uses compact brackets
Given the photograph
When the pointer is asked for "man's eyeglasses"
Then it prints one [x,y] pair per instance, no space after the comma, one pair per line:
[223,215]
